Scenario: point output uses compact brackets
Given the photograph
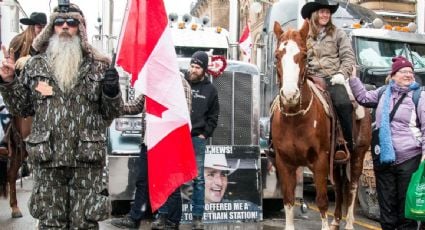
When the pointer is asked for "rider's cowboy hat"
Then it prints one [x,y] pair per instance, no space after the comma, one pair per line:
[36,18]
[218,161]
[310,7]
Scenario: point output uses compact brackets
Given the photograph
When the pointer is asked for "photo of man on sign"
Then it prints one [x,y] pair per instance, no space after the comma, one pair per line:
[231,194]
[216,172]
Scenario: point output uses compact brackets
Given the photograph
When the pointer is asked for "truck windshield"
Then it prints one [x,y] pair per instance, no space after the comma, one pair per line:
[378,53]
[418,55]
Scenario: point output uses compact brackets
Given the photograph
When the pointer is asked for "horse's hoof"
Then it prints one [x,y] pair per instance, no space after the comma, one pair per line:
[16,215]
[334,227]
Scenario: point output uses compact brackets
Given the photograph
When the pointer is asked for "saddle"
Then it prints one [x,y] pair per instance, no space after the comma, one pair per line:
[340,153]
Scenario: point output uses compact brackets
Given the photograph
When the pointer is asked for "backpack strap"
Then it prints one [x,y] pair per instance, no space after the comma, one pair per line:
[416,95]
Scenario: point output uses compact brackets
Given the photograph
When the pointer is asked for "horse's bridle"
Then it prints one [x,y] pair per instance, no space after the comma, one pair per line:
[300,111]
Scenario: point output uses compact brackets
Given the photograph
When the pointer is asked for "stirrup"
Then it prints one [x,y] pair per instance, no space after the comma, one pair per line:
[341,156]
[4,151]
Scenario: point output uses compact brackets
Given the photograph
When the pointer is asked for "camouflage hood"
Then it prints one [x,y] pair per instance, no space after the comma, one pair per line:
[41,42]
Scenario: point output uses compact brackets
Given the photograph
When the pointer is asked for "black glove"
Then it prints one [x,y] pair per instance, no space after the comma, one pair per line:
[110,83]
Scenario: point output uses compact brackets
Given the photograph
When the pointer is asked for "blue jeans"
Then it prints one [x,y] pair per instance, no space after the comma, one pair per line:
[141,195]
[198,196]
[173,207]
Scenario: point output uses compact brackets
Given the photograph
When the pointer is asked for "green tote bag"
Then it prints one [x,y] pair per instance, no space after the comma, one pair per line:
[415,197]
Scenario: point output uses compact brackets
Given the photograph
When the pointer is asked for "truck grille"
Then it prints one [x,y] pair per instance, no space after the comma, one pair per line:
[235,125]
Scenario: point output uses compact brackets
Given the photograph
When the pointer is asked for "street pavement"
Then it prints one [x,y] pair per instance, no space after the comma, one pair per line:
[273,219]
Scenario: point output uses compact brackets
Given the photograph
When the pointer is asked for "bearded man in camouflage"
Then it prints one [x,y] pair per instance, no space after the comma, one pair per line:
[73,96]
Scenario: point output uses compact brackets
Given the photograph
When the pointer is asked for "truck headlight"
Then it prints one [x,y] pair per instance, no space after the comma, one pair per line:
[129,124]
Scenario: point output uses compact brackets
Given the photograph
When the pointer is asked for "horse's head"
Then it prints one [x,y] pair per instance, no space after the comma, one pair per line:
[290,57]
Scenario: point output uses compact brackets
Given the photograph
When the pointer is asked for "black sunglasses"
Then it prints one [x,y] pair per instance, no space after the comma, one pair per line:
[70,21]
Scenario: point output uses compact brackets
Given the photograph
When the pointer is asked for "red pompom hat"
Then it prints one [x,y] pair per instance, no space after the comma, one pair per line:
[398,63]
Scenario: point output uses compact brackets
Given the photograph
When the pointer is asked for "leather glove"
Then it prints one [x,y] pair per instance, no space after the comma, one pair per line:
[19,64]
[338,79]
[110,83]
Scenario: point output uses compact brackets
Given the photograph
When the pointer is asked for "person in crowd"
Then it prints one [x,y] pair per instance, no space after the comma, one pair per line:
[73,94]
[216,172]
[204,117]
[21,44]
[21,49]
[400,147]
[330,56]
[141,195]
[138,208]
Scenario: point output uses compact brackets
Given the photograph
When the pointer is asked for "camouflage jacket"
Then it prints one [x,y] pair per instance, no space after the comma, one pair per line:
[68,128]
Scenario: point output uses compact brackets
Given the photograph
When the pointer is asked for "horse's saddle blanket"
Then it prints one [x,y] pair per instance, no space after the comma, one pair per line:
[359,110]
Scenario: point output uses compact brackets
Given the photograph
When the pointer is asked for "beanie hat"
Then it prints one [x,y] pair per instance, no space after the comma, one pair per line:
[200,58]
[400,62]
[41,42]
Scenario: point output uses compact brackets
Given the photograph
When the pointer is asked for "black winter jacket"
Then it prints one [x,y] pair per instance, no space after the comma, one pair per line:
[205,108]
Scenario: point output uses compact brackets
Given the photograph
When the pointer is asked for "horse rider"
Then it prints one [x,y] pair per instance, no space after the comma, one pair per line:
[330,56]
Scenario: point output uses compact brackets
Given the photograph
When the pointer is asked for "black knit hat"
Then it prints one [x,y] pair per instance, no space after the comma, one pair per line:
[200,58]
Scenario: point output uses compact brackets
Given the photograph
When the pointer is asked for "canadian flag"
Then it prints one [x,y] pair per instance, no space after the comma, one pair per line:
[245,43]
[146,51]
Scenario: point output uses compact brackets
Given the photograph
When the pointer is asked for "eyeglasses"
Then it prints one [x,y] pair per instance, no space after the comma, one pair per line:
[406,72]
[70,21]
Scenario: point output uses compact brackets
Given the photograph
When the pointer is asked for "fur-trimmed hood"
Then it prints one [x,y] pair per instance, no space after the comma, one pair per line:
[41,42]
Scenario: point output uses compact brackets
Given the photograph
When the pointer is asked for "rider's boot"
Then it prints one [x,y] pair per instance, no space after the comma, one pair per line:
[3,149]
[342,154]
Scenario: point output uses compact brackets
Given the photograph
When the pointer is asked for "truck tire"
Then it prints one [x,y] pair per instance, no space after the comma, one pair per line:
[368,198]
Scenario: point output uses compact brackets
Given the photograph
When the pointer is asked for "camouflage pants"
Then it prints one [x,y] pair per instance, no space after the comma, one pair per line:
[68,198]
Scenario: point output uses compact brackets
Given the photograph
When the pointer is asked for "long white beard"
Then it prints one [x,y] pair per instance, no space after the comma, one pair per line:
[65,54]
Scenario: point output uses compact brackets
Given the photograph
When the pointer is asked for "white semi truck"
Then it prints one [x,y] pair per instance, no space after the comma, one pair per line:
[237,131]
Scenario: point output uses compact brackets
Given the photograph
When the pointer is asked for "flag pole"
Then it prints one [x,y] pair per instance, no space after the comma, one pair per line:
[114,57]
[123,23]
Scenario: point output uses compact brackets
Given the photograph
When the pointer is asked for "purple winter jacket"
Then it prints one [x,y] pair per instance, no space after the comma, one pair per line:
[406,136]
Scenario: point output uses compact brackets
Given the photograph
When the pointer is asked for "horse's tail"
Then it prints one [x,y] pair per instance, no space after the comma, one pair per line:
[3,177]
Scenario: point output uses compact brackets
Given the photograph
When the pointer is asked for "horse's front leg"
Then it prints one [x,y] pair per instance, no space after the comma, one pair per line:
[287,177]
[320,172]
[12,177]
[339,190]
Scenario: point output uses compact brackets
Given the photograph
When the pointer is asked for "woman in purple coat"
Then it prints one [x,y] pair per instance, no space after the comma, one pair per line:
[400,147]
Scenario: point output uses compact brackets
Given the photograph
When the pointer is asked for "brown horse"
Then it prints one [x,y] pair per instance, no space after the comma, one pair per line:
[17,130]
[301,134]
